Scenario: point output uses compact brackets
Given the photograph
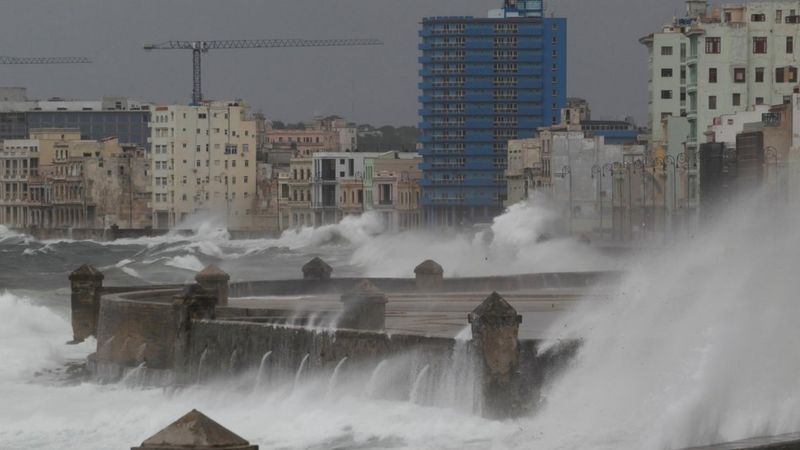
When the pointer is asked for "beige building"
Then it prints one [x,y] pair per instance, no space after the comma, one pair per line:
[204,164]
[304,142]
[298,187]
[60,181]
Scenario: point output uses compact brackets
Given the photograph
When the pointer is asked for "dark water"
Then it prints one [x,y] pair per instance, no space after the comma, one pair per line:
[28,264]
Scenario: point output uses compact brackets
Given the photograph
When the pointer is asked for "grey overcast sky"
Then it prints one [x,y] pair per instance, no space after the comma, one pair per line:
[377,85]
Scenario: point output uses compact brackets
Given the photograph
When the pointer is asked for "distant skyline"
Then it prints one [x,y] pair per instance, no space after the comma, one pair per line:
[377,85]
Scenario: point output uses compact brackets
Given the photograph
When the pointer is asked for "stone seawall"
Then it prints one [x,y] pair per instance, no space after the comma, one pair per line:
[220,348]
[507,283]
[190,334]
[135,329]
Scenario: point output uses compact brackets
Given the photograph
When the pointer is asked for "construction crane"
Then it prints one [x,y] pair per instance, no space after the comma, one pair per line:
[200,47]
[44,60]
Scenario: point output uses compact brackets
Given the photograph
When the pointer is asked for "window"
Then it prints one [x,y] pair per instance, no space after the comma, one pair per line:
[759,74]
[759,100]
[779,77]
[666,73]
[759,45]
[737,99]
[791,74]
[713,45]
[666,95]
[789,45]
[758,18]
[712,75]
[739,75]
[778,16]
[712,102]
[666,51]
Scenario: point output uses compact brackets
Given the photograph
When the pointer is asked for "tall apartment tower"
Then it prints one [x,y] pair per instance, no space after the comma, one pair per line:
[722,61]
[204,164]
[484,81]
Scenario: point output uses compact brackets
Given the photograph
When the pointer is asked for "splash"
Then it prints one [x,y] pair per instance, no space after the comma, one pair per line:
[698,345]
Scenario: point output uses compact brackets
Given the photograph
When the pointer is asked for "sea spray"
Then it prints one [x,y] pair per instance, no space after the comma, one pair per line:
[335,376]
[416,388]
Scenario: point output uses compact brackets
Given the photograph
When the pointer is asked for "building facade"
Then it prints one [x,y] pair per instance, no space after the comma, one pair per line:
[485,81]
[123,118]
[720,61]
[204,164]
[73,183]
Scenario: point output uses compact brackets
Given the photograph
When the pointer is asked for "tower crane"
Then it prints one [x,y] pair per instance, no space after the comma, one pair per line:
[44,60]
[200,47]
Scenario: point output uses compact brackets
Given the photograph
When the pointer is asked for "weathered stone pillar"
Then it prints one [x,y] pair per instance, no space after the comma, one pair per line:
[364,308]
[495,330]
[317,269]
[214,280]
[195,431]
[430,276]
[86,284]
[194,303]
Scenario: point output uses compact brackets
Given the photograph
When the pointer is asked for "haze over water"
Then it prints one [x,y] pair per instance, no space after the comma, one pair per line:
[697,344]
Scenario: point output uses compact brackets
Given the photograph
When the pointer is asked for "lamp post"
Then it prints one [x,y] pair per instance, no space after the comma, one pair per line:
[640,166]
[687,162]
[597,170]
[610,167]
[773,152]
[567,171]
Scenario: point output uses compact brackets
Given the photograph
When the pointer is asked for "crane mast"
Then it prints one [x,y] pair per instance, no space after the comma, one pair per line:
[200,47]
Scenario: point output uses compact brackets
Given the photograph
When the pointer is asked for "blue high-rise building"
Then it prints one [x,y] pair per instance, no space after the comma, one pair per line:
[484,81]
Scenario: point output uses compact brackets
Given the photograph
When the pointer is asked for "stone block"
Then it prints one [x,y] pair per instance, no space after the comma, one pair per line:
[317,269]
[215,280]
[364,308]
[429,276]
[86,284]
[195,431]
[495,340]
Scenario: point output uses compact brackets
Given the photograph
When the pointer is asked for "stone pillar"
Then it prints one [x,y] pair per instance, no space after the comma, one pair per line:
[86,283]
[430,276]
[194,303]
[364,308]
[317,269]
[195,431]
[495,330]
[214,280]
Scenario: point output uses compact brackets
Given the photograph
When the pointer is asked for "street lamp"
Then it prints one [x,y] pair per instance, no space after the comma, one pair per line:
[687,161]
[773,152]
[597,170]
[611,167]
[567,171]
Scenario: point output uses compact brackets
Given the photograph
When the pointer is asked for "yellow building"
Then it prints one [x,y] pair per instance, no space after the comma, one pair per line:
[204,164]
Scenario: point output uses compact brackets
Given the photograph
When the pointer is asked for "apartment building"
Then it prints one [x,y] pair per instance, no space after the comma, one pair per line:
[203,164]
[718,61]
[63,183]
[485,81]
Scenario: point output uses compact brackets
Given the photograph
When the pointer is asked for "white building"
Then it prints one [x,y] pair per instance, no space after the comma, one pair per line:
[204,164]
[720,61]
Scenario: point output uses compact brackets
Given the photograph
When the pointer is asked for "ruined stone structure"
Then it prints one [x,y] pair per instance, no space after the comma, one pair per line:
[187,334]
[195,431]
